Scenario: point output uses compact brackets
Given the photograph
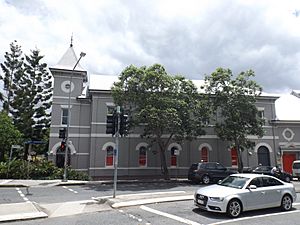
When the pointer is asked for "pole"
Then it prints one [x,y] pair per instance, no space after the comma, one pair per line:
[82,54]
[116,153]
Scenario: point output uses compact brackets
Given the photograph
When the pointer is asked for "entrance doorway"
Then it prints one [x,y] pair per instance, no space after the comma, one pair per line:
[60,158]
[287,161]
[263,156]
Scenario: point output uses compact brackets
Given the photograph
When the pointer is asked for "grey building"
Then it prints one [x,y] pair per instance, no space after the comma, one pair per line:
[91,149]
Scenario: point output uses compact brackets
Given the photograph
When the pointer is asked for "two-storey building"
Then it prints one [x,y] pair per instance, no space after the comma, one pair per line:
[91,150]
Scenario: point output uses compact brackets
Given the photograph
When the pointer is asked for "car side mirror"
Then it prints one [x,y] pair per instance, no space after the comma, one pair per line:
[252,186]
[219,181]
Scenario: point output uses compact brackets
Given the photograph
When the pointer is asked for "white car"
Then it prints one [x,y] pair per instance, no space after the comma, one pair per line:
[243,192]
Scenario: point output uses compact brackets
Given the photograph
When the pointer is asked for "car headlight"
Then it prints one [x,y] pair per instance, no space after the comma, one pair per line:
[216,199]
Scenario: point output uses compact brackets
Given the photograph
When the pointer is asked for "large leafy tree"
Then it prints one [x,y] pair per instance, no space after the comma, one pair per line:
[12,67]
[168,107]
[234,99]
[9,135]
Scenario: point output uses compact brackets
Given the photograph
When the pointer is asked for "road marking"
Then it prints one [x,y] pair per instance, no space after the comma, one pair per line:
[22,195]
[65,187]
[131,216]
[254,217]
[153,193]
[177,218]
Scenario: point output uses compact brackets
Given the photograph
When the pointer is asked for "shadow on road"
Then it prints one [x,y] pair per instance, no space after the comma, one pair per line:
[140,186]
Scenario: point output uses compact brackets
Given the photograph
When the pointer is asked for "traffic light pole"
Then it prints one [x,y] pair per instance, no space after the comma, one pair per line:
[116,152]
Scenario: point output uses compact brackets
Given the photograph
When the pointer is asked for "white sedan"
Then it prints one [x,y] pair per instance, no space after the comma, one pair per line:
[243,192]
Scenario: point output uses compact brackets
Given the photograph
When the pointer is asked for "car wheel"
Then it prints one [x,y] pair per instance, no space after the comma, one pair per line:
[286,203]
[234,208]
[287,179]
[205,179]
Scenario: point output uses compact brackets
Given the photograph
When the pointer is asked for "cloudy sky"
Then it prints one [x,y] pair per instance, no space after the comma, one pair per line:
[189,37]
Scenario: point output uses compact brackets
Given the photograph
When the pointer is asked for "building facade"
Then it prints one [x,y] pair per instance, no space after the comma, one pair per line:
[92,150]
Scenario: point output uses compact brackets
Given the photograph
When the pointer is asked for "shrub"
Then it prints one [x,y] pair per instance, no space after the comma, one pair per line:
[39,169]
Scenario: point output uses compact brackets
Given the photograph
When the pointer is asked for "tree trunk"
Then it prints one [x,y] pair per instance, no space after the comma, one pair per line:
[240,159]
[164,167]
[1,155]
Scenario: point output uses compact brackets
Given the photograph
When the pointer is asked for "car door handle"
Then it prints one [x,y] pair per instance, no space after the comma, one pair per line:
[263,192]
[278,191]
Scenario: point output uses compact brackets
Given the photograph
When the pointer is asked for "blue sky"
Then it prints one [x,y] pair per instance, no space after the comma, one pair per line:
[189,37]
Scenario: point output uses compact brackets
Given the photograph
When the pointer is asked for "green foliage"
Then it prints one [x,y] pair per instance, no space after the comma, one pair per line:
[39,170]
[234,99]
[9,135]
[27,94]
[166,105]
[11,67]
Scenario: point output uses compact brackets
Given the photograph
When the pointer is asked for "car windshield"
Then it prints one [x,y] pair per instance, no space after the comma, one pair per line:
[234,182]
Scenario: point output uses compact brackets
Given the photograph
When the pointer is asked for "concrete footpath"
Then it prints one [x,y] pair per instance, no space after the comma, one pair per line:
[30,210]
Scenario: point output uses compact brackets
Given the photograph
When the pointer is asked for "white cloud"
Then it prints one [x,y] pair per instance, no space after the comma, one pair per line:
[188,37]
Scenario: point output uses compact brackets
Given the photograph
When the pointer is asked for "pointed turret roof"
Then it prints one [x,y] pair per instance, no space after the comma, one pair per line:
[68,61]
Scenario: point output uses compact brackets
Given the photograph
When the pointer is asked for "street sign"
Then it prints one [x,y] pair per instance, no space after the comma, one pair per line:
[16,146]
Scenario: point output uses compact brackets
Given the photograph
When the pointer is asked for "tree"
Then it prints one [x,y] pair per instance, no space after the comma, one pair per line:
[234,99]
[32,95]
[12,67]
[169,107]
[9,135]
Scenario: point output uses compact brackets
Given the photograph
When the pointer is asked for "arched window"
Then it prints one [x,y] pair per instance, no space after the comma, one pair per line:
[142,156]
[174,153]
[263,156]
[234,157]
[204,154]
[109,155]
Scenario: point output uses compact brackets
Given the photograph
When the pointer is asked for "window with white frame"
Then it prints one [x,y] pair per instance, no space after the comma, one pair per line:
[174,153]
[64,116]
[204,154]
[109,155]
[142,156]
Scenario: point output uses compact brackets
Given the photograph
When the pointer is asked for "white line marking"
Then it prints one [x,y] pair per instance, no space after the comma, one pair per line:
[254,217]
[177,218]
[131,216]
[22,195]
[69,189]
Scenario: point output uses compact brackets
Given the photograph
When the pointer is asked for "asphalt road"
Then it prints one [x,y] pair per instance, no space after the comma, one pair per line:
[170,213]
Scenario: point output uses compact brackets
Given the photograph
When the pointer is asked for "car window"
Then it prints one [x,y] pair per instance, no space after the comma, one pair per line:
[234,182]
[202,166]
[257,182]
[211,166]
[194,166]
[296,166]
[269,181]
[220,167]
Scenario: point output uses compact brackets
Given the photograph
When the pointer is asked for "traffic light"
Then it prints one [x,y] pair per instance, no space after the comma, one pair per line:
[124,125]
[63,146]
[62,133]
[111,124]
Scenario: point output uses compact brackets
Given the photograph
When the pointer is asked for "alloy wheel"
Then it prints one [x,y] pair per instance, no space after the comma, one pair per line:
[234,208]
[286,203]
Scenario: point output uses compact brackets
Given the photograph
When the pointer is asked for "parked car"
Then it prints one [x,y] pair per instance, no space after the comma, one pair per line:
[267,170]
[244,192]
[296,169]
[207,172]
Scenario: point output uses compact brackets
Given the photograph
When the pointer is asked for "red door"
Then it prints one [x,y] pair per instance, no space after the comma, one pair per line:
[287,160]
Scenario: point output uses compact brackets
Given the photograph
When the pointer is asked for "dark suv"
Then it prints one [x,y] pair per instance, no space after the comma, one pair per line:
[267,170]
[207,172]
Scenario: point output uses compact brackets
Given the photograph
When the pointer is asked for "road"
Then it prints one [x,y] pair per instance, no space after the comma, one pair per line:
[170,213]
